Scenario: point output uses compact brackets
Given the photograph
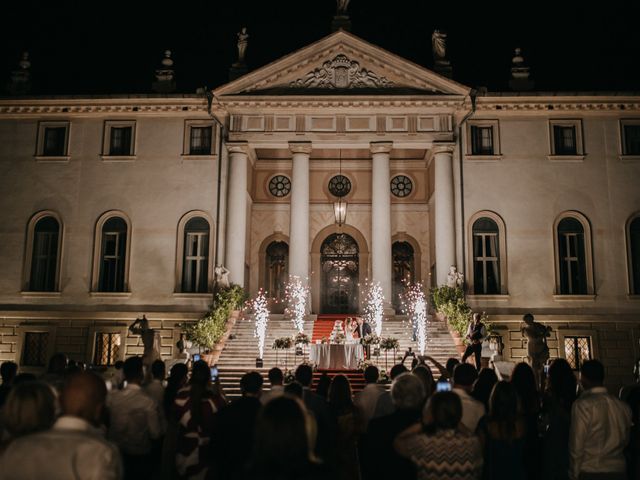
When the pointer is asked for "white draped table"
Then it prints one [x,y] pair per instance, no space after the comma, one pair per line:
[336,356]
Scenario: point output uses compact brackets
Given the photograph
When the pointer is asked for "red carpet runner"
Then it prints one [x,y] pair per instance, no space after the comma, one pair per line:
[324,324]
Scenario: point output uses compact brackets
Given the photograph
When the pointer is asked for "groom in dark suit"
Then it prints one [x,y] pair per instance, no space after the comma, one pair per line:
[364,329]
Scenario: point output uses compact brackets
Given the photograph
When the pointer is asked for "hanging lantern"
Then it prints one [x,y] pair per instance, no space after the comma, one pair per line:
[340,212]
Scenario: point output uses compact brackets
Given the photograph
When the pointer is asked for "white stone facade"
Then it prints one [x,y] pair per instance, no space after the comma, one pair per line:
[309,112]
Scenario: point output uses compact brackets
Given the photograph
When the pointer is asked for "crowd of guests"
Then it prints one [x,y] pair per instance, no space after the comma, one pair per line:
[140,424]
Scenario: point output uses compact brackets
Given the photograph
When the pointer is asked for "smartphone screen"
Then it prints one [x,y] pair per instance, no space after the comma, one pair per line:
[443,386]
[196,357]
[214,373]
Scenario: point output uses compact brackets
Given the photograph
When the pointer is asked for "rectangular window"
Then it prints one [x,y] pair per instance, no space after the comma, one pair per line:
[55,139]
[120,141]
[200,140]
[631,134]
[564,140]
[107,349]
[486,269]
[34,350]
[577,350]
[194,278]
[482,140]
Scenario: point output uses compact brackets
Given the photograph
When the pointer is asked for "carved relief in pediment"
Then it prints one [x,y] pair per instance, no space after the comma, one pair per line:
[341,72]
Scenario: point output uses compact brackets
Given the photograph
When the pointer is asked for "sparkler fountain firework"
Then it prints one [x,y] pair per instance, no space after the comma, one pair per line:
[261,316]
[297,294]
[373,309]
[415,305]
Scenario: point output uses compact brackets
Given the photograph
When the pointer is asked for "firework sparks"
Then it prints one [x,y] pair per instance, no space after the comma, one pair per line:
[415,305]
[373,310]
[261,316]
[297,294]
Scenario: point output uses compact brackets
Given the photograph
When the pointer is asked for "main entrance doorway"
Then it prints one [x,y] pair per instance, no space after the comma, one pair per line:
[340,267]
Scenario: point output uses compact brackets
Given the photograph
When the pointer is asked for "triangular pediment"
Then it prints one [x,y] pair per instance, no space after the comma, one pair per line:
[341,64]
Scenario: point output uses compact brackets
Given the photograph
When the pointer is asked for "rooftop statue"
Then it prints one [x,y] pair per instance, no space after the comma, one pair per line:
[438,41]
[243,41]
[342,7]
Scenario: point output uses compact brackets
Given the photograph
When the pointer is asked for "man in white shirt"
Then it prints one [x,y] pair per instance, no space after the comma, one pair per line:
[367,399]
[276,379]
[599,432]
[135,421]
[74,447]
[472,410]
[155,387]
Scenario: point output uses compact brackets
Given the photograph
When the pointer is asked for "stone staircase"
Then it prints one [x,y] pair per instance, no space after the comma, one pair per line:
[241,349]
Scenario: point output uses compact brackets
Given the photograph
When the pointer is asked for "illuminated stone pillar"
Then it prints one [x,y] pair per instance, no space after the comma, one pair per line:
[237,212]
[381,217]
[444,211]
[299,211]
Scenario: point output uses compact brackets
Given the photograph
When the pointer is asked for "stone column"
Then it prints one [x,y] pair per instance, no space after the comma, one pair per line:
[381,218]
[445,237]
[299,210]
[237,212]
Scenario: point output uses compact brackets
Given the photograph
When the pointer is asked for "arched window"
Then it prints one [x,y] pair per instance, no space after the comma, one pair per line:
[277,269]
[634,255]
[403,270]
[486,257]
[573,246]
[44,256]
[195,263]
[113,253]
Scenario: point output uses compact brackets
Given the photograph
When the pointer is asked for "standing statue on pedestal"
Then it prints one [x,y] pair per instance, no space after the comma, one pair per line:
[454,277]
[150,340]
[537,348]
[243,41]
[222,277]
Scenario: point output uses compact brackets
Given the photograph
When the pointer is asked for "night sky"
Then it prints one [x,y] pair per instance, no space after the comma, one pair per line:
[91,47]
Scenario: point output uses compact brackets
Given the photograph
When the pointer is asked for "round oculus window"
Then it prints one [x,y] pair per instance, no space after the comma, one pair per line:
[401,186]
[280,186]
[339,186]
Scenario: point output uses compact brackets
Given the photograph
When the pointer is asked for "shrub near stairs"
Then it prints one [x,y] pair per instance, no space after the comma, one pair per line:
[208,331]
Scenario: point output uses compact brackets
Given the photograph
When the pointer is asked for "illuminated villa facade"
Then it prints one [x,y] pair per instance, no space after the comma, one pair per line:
[116,206]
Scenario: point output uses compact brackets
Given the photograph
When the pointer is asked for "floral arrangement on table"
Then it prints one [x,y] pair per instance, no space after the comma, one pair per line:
[364,364]
[339,338]
[301,339]
[371,339]
[389,343]
[282,343]
[384,377]
[324,341]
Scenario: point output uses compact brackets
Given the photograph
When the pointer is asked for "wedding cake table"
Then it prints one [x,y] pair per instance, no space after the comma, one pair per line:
[336,355]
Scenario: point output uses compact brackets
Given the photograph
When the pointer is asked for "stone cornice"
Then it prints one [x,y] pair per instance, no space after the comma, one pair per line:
[553,103]
[306,102]
[443,147]
[89,106]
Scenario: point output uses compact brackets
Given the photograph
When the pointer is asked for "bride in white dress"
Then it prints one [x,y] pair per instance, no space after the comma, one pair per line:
[349,329]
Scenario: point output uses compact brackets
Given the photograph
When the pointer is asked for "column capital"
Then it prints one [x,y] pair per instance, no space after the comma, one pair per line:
[300,147]
[443,147]
[238,147]
[380,147]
